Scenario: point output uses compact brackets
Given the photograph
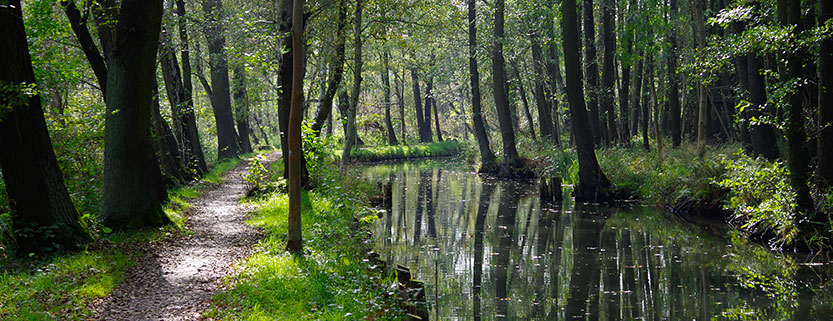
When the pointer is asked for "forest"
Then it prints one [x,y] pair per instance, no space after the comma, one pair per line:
[416,159]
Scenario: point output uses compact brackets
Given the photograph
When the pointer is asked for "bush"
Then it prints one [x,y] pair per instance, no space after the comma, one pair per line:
[761,196]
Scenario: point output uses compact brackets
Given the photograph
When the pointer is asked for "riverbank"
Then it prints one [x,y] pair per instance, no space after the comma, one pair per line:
[401,152]
[752,195]
[332,280]
[64,286]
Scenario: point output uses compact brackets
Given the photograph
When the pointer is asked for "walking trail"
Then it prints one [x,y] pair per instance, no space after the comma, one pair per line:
[175,278]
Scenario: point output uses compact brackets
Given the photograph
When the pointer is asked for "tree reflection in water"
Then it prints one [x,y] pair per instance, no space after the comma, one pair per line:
[504,255]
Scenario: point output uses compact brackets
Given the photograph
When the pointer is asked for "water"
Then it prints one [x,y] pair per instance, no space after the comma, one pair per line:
[502,255]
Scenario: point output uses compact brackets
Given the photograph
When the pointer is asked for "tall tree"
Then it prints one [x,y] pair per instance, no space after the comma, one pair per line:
[423,135]
[702,95]
[591,71]
[186,113]
[36,192]
[824,168]
[350,138]
[607,95]
[510,153]
[294,241]
[220,98]
[429,97]
[182,109]
[487,158]
[386,88]
[544,116]
[437,120]
[241,109]
[592,184]
[673,84]
[798,159]
[325,105]
[556,84]
[133,190]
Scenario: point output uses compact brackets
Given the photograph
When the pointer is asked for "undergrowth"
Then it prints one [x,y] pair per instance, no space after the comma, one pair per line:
[61,286]
[330,281]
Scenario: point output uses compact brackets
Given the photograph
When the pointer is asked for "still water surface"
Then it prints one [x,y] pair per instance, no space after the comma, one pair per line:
[503,255]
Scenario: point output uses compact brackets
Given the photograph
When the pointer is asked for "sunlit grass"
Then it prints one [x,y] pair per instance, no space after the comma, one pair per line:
[328,282]
[436,149]
[62,287]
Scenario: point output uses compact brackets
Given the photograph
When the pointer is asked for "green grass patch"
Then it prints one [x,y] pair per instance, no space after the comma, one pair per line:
[380,153]
[61,287]
[329,281]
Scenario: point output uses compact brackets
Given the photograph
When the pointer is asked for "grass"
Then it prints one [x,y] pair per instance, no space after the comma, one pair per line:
[61,287]
[754,193]
[380,153]
[330,281]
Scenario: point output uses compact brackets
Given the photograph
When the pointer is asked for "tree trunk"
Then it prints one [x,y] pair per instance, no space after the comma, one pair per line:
[824,168]
[78,22]
[510,154]
[673,86]
[555,83]
[357,81]
[798,160]
[399,90]
[703,112]
[429,97]
[591,71]
[220,101]
[637,95]
[241,110]
[525,102]
[608,90]
[645,107]
[487,158]
[418,108]
[624,91]
[294,239]
[655,104]
[436,121]
[186,115]
[386,88]
[593,184]
[544,116]
[325,106]
[165,146]
[133,190]
[35,186]
[762,135]
[186,135]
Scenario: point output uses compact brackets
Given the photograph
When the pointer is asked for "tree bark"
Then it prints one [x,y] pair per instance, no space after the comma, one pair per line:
[608,90]
[350,138]
[221,101]
[591,71]
[133,190]
[544,116]
[487,158]
[241,110]
[165,146]
[429,97]
[35,186]
[187,113]
[386,88]
[762,134]
[593,184]
[703,112]
[325,106]
[294,241]
[824,168]
[556,84]
[673,83]
[418,108]
[510,154]
[182,112]
[645,105]
[798,160]
[624,91]
[436,121]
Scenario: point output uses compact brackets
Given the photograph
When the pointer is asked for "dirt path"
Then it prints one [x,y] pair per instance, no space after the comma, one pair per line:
[175,278]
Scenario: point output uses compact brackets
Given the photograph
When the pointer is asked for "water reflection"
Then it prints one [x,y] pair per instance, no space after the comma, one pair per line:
[502,255]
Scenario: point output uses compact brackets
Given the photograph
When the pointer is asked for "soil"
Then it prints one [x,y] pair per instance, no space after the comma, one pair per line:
[175,278]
